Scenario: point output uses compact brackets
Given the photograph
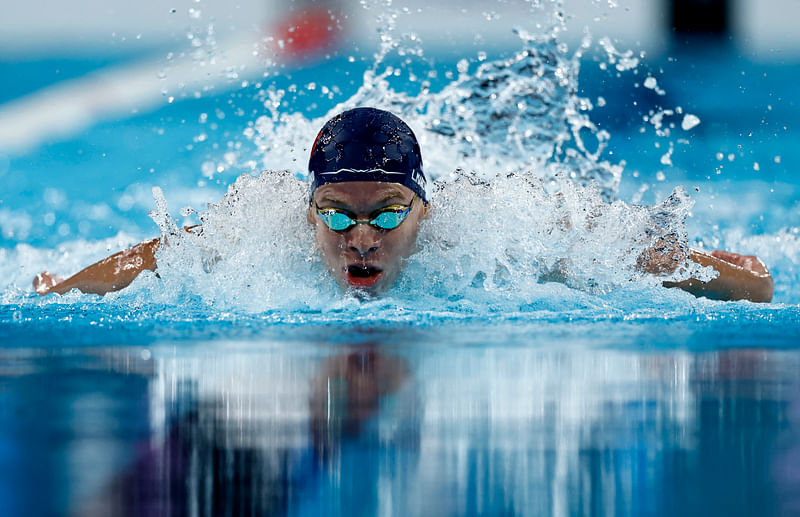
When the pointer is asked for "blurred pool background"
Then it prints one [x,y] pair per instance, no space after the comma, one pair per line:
[658,405]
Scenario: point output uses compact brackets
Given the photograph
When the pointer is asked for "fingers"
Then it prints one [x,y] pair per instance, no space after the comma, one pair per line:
[40,283]
[748,262]
[45,281]
[727,256]
[734,258]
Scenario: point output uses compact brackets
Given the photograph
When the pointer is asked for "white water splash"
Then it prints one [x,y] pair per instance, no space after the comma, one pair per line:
[488,244]
[511,115]
[689,121]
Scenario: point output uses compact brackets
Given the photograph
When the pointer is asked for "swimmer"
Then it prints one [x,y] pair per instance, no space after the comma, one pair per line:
[368,197]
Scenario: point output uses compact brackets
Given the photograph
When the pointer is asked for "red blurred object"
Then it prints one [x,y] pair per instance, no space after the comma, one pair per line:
[307,33]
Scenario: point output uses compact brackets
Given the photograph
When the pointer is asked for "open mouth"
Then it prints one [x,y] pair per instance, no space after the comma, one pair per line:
[362,275]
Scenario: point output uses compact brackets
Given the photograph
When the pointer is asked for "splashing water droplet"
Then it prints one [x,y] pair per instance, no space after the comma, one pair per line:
[666,159]
[689,121]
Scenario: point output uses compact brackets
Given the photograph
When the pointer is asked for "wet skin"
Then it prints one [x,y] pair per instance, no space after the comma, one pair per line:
[364,257]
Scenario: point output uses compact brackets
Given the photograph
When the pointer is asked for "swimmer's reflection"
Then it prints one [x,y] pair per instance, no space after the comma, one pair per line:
[349,441]
[211,464]
[348,392]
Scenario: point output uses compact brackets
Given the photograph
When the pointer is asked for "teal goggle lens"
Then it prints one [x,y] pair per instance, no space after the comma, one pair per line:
[338,220]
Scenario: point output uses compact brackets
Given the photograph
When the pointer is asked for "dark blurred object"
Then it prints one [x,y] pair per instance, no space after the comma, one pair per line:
[700,17]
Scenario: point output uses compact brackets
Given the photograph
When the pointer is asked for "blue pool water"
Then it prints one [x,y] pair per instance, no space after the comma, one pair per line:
[257,388]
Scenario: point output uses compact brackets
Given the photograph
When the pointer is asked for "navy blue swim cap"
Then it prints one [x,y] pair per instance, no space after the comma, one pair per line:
[367,144]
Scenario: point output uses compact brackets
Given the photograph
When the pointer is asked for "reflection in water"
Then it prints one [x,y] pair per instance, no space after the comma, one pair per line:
[368,429]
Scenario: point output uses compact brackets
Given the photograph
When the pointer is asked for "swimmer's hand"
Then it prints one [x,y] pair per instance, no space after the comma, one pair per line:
[45,281]
[741,277]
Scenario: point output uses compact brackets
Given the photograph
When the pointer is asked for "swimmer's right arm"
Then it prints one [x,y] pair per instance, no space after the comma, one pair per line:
[110,274]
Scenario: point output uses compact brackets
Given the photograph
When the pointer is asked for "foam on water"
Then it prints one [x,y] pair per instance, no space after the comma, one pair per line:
[255,249]
[487,246]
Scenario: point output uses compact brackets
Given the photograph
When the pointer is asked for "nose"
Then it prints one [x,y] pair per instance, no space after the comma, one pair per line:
[363,239]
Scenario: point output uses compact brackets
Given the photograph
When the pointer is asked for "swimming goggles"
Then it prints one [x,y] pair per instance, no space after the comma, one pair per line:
[387,218]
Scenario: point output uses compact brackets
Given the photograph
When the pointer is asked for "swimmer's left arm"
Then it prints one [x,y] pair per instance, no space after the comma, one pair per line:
[741,277]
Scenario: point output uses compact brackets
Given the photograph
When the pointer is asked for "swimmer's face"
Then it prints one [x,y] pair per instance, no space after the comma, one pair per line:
[364,257]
